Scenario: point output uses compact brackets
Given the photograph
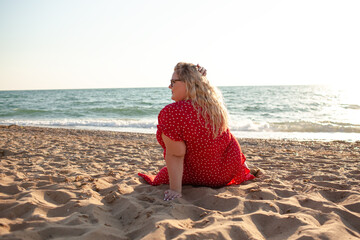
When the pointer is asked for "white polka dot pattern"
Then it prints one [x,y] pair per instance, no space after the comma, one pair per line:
[208,161]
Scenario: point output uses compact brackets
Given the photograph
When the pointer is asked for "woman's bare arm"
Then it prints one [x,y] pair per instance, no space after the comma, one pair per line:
[174,158]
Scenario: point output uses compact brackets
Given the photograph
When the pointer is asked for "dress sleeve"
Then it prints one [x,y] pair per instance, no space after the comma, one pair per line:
[170,121]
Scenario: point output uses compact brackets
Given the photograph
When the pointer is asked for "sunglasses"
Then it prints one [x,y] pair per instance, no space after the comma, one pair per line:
[172,82]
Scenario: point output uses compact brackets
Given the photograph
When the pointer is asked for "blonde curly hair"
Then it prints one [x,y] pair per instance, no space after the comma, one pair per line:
[206,99]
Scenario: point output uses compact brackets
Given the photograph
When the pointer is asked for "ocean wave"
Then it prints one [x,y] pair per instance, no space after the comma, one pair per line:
[298,126]
[320,127]
[23,112]
[351,106]
[248,125]
[239,126]
[89,123]
[127,111]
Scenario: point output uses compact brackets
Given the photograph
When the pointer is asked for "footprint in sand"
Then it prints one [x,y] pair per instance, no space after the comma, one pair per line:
[276,226]
[217,203]
[58,197]
[11,189]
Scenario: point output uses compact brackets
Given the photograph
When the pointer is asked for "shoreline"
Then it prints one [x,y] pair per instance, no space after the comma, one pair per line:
[83,184]
[279,136]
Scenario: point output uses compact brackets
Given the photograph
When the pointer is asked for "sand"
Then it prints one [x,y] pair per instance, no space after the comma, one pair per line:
[78,184]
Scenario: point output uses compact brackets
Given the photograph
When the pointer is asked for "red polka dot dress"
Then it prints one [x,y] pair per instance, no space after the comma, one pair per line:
[208,161]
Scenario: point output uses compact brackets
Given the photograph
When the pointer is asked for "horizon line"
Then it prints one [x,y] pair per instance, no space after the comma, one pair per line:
[94,88]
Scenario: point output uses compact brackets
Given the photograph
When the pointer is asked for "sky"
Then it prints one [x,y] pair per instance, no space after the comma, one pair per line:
[71,44]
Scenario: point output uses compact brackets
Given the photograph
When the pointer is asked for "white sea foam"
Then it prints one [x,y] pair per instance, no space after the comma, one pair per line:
[246,129]
[249,126]
[315,127]
[88,123]
[243,126]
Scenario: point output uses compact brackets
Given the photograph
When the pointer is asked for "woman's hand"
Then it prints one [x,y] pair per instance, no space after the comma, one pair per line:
[171,194]
[201,69]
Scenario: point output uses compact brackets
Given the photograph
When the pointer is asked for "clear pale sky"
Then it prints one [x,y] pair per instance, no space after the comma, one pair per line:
[114,44]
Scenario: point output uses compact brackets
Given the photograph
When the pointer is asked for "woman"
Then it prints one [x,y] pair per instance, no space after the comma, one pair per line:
[198,146]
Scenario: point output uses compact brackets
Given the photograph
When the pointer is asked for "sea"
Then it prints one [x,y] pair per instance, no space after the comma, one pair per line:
[324,113]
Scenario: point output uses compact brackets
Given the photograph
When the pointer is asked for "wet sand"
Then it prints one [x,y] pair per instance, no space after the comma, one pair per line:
[78,184]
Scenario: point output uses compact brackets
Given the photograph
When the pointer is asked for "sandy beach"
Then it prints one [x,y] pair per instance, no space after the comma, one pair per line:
[79,184]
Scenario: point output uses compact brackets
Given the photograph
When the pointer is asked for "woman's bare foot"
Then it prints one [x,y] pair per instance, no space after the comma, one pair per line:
[171,194]
[257,172]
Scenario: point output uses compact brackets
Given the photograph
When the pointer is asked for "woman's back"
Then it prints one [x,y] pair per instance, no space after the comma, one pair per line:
[208,161]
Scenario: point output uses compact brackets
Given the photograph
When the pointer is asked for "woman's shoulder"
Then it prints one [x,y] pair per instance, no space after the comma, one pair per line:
[177,110]
[178,106]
